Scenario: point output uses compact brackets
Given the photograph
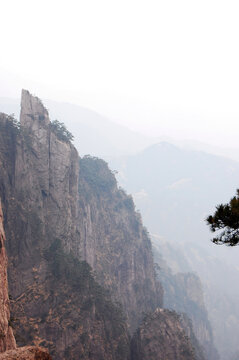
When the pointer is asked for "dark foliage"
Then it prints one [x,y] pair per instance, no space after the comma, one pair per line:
[226,221]
[61,131]
[13,123]
[79,276]
[95,172]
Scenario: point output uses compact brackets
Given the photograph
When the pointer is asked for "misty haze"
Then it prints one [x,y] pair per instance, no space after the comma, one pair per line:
[119,178]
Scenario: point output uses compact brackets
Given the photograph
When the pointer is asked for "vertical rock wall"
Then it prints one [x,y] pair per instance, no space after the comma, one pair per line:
[8,349]
[114,241]
[57,303]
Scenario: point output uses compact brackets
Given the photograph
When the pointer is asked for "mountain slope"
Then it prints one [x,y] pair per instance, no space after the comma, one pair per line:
[56,218]
[56,300]
[172,183]
[81,266]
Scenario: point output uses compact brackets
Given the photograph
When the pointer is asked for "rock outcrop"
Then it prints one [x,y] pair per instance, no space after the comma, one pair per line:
[26,353]
[56,220]
[56,301]
[161,336]
[81,271]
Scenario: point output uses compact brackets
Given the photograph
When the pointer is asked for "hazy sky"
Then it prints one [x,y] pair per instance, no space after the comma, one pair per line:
[160,67]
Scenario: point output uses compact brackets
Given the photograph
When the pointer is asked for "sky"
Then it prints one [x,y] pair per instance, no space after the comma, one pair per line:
[159,67]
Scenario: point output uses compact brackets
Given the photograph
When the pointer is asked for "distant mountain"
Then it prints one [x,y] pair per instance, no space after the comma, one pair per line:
[99,136]
[231,153]
[175,189]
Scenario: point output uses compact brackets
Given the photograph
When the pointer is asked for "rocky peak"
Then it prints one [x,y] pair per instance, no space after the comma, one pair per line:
[33,110]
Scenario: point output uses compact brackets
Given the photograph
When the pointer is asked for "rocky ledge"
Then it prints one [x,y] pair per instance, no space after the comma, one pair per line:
[26,353]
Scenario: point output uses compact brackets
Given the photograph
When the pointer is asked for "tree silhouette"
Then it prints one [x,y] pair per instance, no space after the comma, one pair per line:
[61,131]
[226,221]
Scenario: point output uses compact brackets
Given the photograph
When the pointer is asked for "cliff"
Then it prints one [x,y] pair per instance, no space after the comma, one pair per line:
[56,301]
[56,220]
[81,271]
[8,349]
[114,241]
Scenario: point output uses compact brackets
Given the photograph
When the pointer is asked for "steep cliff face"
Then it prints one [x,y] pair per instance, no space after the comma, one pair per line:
[8,349]
[114,241]
[55,220]
[7,340]
[77,250]
[46,173]
[161,336]
[57,302]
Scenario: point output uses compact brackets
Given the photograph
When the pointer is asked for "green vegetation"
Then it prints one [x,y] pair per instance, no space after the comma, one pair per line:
[66,266]
[226,221]
[61,131]
[13,124]
[91,298]
[129,203]
[95,173]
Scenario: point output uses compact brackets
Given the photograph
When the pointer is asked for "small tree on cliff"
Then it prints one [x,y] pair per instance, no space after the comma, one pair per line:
[226,221]
[61,131]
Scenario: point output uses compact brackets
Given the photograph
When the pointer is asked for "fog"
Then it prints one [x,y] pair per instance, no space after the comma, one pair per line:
[139,72]
[161,68]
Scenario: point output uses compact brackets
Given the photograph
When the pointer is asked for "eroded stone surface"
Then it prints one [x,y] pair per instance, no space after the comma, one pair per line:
[26,353]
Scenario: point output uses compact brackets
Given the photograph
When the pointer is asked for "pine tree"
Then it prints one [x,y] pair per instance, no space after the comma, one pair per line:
[226,221]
